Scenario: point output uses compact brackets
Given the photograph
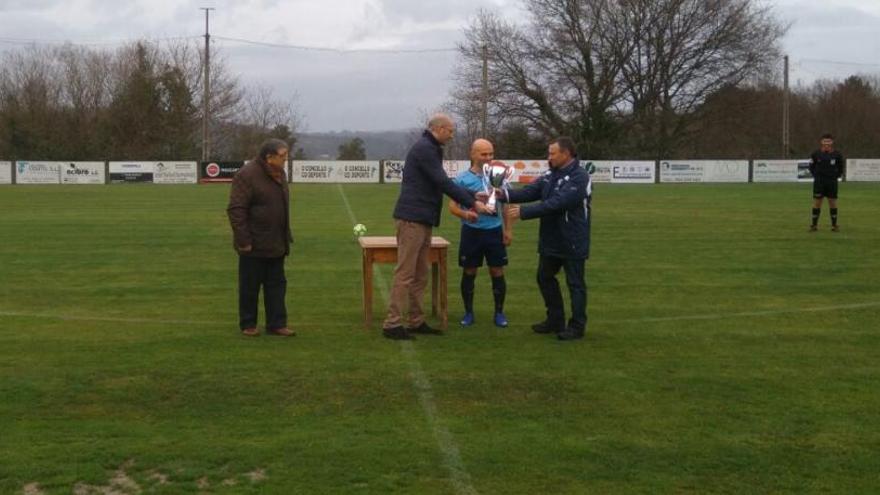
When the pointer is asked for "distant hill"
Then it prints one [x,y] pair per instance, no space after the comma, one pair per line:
[379,145]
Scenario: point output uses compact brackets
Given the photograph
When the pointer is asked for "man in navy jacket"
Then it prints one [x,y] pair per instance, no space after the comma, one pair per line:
[417,212]
[564,237]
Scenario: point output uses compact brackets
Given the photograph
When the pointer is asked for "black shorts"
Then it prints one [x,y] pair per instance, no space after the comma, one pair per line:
[825,187]
[477,244]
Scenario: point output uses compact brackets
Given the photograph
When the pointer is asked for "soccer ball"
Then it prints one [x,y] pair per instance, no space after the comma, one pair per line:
[359,230]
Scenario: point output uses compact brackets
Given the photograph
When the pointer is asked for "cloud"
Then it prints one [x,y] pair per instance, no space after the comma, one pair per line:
[381,91]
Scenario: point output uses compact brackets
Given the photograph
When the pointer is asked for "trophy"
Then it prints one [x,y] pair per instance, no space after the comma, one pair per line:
[495,176]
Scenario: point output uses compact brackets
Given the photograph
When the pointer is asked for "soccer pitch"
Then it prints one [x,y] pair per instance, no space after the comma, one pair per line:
[728,351]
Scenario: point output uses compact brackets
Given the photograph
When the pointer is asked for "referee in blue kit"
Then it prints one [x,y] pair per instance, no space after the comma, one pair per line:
[482,236]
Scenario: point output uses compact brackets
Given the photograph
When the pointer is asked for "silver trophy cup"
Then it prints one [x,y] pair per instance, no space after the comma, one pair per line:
[494,176]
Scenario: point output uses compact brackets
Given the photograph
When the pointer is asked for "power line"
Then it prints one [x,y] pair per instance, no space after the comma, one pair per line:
[84,42]
[837,62]
[47,41]
[336,50]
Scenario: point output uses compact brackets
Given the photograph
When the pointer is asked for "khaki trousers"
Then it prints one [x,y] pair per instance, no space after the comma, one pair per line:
[410,274]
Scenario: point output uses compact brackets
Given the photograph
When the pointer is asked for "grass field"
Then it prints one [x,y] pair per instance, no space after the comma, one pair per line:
[728,351]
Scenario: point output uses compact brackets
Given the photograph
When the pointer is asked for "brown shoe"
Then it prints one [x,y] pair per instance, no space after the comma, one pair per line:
[284,332]
[835,228]
[250,332]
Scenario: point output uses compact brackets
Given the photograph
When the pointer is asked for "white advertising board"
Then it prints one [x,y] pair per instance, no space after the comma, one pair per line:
[81,172]
[125,172]
[863,169]
[704,171]
[624,171]
[5,172]
[455,167]
[393,169]
[335,171]
[525,170]
[175,173]
[780,170]
[28,172]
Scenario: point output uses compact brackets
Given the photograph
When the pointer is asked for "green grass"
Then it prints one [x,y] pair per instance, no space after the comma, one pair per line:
[709,365]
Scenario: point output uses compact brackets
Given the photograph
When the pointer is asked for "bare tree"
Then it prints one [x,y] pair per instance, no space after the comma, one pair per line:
[139,101]
[259,115]
[617,75]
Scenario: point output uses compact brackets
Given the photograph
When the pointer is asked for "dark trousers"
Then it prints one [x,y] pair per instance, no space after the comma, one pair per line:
[548,267]
[267,272]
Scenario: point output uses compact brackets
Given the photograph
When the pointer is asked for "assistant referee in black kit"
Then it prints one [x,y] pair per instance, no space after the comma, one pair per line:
[827,166]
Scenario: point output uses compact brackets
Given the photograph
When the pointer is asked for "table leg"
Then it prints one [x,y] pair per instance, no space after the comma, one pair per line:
[368,288]
[444,317]
[434,282]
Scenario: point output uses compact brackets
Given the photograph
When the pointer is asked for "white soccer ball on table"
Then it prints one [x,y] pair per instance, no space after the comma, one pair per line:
[359,230]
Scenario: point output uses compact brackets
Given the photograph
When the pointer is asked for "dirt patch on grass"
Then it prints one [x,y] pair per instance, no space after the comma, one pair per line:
[257,475]
[159,478]
[119,484]
[32,489]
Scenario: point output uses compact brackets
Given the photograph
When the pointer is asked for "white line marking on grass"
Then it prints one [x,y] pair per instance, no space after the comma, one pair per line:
[461,480]
[383,289]
[746,314]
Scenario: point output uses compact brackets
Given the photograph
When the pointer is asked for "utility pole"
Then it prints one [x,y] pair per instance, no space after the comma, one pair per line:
[206,98]
[786,140]
[484,97]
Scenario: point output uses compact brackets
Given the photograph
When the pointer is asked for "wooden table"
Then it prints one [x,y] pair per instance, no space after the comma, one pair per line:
[384,250]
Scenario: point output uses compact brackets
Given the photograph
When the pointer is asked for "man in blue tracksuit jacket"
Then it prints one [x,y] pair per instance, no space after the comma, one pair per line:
[564,237]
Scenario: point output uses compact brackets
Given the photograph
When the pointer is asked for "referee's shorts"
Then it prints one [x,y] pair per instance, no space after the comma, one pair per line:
[825,187]
[477,244]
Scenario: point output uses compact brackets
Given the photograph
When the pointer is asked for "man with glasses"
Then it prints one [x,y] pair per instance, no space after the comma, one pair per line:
[416,213]
[259,205]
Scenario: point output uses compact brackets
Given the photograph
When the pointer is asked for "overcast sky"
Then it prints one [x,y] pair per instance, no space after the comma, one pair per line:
[377,91]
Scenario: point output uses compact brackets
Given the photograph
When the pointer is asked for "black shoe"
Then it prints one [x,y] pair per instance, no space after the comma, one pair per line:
[570,334]
[814,228]
[545,327]
[425,330]
[397,333]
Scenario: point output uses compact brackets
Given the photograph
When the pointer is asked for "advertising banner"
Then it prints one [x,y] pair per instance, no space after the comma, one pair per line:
[392,171]
[82,172]
[780,170]
[704,171]
[344,171]
[175,173]
[131,172]
[804,174]
[526,171]
[624,171]
[218,171]
[602,171]
[27,172]
[862,169]
[5,172]
[455,167]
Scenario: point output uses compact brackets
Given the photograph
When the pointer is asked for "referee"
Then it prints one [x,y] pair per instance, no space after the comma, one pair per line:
[482,236]
[827,166]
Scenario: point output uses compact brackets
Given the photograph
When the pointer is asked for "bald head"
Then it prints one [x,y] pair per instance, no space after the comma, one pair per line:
[482,151]
[442,127]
